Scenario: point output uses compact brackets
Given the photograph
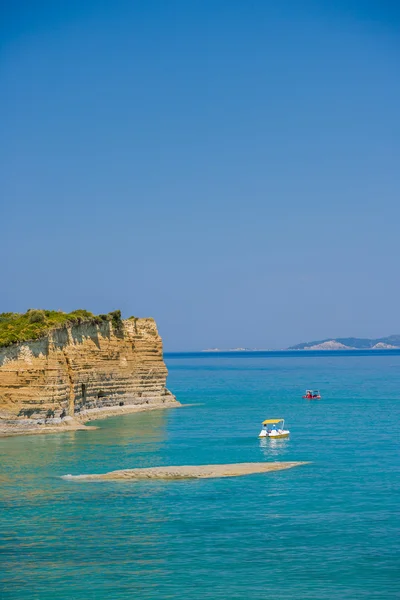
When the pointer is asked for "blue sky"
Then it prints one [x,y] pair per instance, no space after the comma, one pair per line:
[230,168]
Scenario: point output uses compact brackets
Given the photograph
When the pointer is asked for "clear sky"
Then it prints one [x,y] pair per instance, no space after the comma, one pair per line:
[230,168]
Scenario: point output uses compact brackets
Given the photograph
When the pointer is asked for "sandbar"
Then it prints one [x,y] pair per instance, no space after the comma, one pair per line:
[189,471]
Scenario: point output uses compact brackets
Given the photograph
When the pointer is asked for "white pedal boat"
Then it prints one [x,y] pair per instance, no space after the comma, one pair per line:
[273,428]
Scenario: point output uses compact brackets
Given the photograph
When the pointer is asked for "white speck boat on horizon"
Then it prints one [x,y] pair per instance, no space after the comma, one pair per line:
[274,429]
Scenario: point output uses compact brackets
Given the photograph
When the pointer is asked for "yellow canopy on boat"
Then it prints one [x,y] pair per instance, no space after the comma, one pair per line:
[272,421]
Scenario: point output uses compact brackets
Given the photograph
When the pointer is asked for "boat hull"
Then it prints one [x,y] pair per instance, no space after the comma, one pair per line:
[276,436]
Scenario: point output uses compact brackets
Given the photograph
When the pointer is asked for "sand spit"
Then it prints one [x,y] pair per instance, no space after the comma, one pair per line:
[188,472]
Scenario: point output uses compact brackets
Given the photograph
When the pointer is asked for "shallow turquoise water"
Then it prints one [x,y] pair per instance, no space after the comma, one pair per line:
[328,530]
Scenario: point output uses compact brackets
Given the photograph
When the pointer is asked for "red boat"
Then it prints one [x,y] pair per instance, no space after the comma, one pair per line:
[312,395]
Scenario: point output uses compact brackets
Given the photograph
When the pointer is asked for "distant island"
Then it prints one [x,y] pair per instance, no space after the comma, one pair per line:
[392,342]
[233,350]
[351,343]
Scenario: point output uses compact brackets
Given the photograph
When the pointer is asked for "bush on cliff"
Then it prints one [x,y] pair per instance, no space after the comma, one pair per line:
[36,316]
[116,318]
[35,323]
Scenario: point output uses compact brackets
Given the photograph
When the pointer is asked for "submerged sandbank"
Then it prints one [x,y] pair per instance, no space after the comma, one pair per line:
[189,472]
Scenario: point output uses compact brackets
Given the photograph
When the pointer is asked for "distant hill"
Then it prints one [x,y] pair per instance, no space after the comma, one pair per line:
[351,343]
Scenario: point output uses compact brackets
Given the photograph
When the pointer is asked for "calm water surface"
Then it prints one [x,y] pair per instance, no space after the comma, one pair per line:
[328,530]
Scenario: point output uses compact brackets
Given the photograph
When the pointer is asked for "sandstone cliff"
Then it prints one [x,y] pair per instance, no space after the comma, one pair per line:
[82,369]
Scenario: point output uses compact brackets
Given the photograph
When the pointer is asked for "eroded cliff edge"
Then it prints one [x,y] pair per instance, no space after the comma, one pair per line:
[79,371]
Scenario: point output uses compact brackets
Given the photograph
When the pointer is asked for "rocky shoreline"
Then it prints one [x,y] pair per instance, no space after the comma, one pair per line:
[78,422]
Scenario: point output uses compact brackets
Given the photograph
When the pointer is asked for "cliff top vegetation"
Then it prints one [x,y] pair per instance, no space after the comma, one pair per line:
[35,323]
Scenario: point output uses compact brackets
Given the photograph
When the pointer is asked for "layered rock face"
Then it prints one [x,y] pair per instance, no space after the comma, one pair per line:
[82,367]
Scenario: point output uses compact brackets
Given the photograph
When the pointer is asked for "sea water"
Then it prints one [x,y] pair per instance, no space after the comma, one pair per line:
[326,530]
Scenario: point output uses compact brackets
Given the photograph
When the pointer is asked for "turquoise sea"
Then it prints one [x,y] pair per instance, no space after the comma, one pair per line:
[326,530]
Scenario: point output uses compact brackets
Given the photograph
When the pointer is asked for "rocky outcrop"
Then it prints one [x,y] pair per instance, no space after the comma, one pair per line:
[81,369]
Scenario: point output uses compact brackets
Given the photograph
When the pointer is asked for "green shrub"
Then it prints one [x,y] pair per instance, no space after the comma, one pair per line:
[7,317]
[105,317]
[82,313]
[34,324]
[36,316]
[116,318]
